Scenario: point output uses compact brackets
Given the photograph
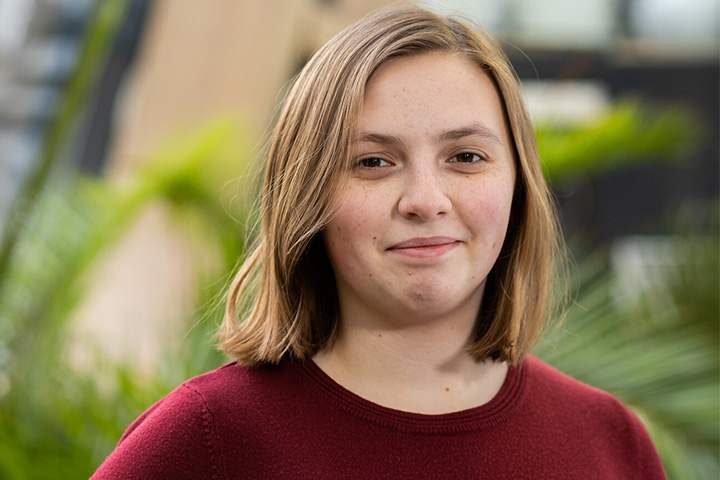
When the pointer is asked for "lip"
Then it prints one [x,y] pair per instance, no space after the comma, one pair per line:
[425,247]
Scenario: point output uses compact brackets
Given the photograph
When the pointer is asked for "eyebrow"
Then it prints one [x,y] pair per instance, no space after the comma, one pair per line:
[474,130]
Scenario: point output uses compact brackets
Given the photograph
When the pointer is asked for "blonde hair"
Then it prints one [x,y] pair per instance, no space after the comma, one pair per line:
[285,290]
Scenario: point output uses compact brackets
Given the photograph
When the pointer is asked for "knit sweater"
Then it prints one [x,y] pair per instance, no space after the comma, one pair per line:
[292,421]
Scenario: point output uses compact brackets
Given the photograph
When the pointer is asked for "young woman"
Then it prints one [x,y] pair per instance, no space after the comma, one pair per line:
[382,323]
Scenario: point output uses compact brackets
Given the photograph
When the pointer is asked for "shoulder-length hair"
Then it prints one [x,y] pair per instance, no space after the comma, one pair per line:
[283,301]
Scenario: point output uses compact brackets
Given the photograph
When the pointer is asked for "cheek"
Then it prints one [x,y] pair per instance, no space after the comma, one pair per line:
[349,221]
[490,206]
[343,237]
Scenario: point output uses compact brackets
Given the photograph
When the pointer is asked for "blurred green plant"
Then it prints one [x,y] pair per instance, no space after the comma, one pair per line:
[658,349]
[652,340]
[54,418]
[98,39]
[629,132]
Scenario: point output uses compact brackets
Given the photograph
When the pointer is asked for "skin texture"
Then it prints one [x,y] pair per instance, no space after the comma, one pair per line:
[421,222]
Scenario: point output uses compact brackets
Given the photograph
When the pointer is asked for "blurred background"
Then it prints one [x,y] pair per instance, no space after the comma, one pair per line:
[131,134]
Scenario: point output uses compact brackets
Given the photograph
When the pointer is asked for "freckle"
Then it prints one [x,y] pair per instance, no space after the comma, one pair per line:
[371,274]
[447,389]
[374,238]
[379,334]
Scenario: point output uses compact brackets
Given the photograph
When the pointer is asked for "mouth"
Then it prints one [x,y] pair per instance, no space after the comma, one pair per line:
[425,247]
[423,242]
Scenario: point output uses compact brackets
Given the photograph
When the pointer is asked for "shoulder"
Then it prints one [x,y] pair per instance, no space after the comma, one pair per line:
[555,383]
[176,437]
[552,388]
[186,434]
[237,392]
[582,411]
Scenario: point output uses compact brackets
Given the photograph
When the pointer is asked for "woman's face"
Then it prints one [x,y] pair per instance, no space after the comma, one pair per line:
[424,213]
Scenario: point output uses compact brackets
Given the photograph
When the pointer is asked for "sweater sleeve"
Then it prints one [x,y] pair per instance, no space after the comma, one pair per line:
[174,439]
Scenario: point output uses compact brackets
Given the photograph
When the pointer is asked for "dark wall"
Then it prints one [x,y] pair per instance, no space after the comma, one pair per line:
[655,196]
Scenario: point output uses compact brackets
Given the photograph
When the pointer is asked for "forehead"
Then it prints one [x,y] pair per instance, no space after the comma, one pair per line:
[431,91]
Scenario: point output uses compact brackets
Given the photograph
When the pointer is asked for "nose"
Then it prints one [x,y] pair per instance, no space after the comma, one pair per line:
[423,196]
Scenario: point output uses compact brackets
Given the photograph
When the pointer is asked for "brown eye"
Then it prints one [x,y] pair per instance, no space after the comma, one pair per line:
[466,157]
[372,162]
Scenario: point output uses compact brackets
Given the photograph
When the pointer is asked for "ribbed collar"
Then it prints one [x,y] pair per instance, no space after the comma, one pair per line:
[487,415]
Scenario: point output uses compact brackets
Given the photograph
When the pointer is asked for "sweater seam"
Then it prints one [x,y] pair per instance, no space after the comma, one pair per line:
[211,432]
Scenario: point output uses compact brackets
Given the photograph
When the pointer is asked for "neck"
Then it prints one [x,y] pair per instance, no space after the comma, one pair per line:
[421,368]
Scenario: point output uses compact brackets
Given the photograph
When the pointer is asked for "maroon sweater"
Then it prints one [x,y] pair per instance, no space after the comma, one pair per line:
[292,421]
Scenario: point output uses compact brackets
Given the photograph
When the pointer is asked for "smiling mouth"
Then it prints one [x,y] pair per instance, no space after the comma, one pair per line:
[425,247]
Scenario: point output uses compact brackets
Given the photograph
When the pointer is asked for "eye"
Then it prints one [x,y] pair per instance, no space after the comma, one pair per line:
[372,162]
[466,157]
